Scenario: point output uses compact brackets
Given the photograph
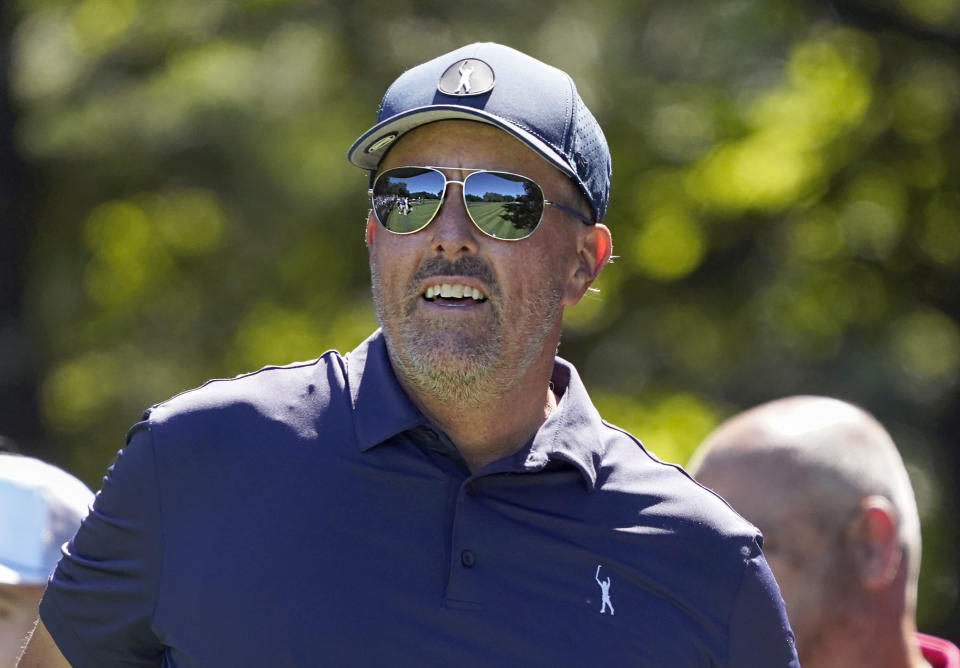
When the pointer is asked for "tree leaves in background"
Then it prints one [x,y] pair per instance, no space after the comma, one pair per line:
[784,209]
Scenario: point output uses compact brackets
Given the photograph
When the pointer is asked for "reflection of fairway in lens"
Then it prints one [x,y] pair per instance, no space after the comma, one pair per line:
[419,215]
[487,215]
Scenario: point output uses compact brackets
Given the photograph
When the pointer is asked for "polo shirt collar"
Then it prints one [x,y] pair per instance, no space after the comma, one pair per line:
[381,410]
[572,433]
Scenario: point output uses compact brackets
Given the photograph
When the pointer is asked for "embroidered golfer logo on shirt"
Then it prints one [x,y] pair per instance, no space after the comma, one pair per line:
[605,592]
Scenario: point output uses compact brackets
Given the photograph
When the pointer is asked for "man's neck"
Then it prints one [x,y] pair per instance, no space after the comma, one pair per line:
[493,426]
[876,645]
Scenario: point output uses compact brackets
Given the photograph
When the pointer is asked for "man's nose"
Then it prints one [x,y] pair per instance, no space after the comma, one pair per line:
[452,230]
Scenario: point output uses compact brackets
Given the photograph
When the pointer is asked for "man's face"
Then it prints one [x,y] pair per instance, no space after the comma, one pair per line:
[806,556]
[18,612]
[456,348]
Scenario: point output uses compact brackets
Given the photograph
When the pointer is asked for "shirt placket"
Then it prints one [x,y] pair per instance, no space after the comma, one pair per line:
[467,549]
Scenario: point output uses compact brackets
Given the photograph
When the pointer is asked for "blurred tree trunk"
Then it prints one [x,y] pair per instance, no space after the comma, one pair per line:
[18,380]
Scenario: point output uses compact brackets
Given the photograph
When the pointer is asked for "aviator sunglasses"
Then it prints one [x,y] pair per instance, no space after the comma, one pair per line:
[502,205]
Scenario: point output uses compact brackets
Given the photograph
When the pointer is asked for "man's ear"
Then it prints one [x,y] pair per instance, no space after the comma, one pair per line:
[595,245]
[604,247]
[875,542]
[371,226]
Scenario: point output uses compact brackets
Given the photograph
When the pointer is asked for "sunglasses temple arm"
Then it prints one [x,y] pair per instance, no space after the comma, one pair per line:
[572,212]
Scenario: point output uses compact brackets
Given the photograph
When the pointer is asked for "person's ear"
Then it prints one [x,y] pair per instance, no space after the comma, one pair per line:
[877,546]
[371,226]
[603,247]
[595,244]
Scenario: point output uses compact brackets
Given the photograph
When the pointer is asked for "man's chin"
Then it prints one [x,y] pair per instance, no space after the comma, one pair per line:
[442,363]
[462,359]
[448,343]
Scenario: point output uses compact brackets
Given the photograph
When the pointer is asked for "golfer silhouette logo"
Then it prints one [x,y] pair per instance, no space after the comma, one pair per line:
[468,76]
[605,591]
[466,71]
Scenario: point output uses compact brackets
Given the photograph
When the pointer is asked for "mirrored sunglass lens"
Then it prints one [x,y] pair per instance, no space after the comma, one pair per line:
[505,206]
[405,199]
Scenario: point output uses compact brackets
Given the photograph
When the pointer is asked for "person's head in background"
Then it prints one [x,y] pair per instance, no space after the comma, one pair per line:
[822,479]
[41,507]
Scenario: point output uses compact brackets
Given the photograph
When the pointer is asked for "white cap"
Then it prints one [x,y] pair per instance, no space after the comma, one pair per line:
[41,507]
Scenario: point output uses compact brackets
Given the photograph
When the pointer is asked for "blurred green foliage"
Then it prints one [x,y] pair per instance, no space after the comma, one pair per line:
[785,206]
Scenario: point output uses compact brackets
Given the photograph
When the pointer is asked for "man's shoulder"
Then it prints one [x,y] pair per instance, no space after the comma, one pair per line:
[676,537]
[272,392]
[668,495]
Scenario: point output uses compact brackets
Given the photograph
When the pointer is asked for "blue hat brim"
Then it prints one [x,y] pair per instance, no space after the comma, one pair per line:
[361,155]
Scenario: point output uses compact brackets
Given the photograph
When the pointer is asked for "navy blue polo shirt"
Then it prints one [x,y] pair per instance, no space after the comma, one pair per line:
[309,515]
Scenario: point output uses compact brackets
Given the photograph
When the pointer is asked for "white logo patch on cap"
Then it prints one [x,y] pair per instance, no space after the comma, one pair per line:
[469,76]
[382,143]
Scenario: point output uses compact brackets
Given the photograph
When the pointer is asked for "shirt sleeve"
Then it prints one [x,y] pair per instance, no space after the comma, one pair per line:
[760,634]
[99,603]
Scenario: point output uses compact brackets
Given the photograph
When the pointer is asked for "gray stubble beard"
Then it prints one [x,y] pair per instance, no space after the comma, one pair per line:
[465,366]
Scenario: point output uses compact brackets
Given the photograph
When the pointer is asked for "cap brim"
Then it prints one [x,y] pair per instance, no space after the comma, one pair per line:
[366,153]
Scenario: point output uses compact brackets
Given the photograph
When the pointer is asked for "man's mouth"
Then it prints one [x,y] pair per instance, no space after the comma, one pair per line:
[453,293]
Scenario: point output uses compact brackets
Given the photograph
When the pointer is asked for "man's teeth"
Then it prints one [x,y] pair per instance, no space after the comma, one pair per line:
[451,291]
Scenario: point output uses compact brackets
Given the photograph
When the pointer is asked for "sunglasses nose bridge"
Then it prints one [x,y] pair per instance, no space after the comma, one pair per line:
[454,227]
[447,195]
[446,192]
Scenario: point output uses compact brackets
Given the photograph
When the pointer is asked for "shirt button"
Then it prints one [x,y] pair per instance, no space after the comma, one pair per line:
[471,489]
[467,558]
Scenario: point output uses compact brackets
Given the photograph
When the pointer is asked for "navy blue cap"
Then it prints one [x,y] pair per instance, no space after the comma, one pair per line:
[535,102]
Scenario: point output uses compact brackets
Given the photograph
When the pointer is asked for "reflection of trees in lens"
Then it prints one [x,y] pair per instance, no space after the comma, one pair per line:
[423,194]
[494,197]
[396,187]
[524,213]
